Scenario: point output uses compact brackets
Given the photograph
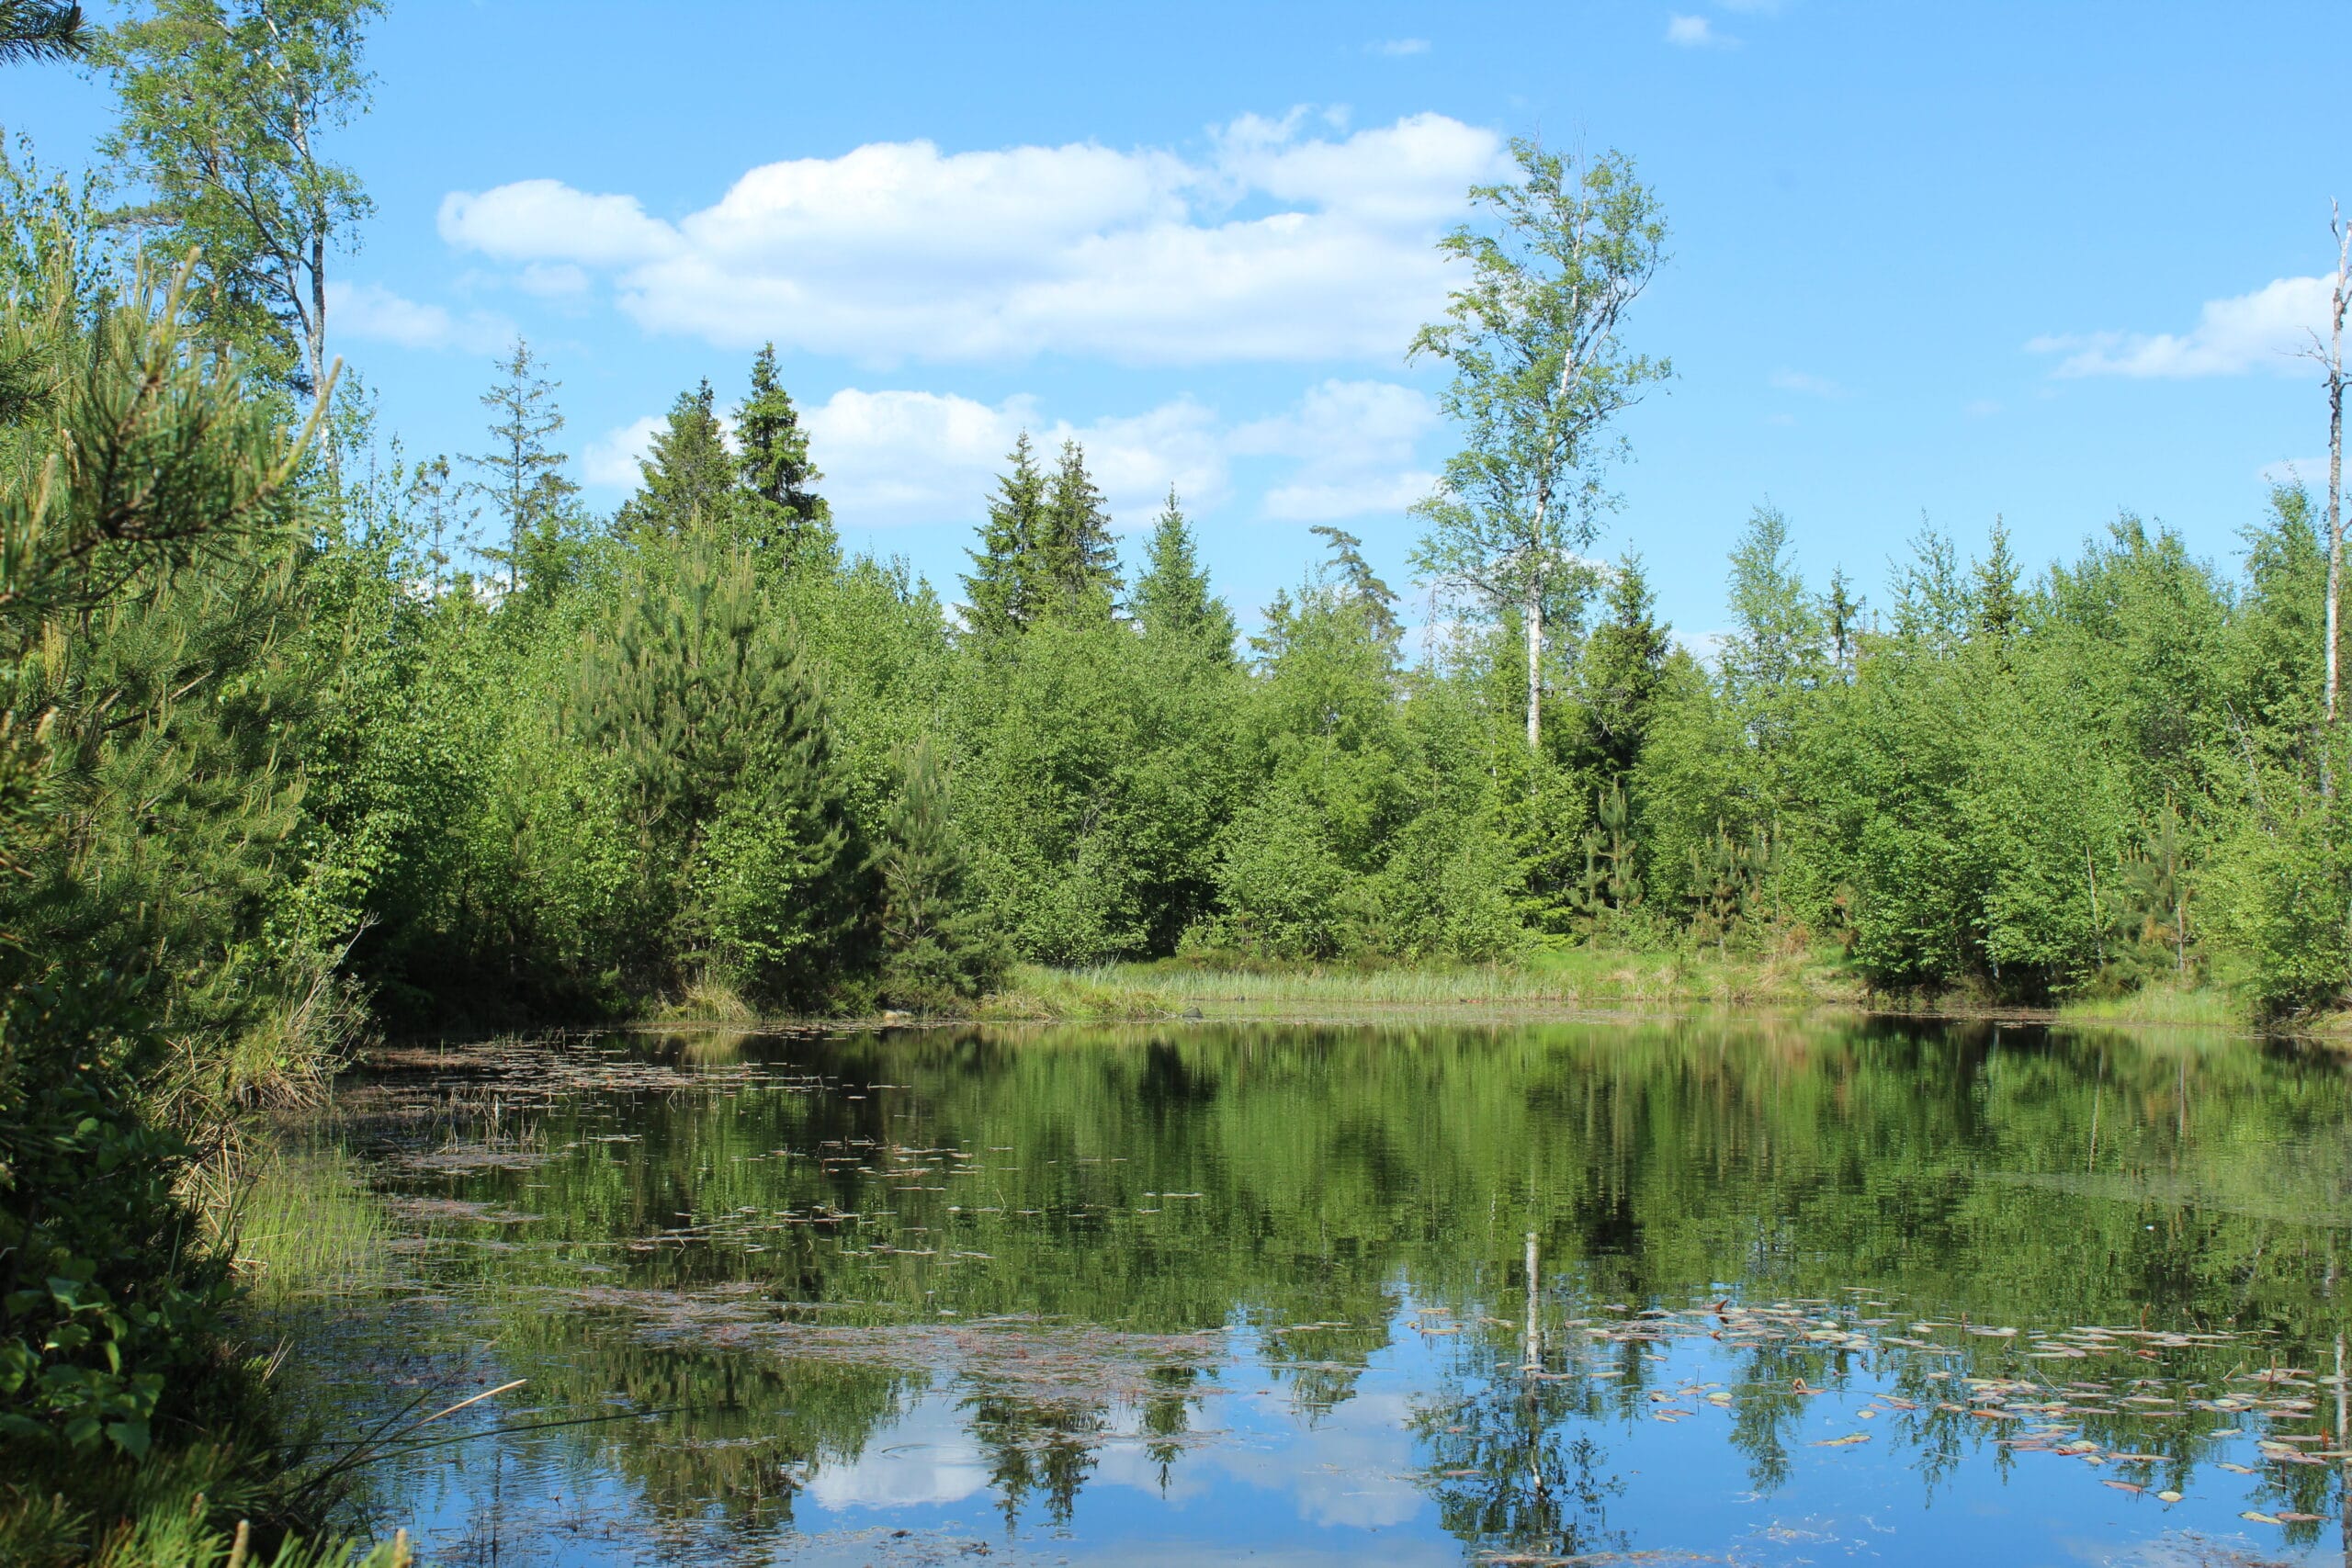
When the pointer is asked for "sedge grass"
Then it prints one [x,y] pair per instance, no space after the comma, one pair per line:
[1577,978]
[2196,1007]
[309,1224]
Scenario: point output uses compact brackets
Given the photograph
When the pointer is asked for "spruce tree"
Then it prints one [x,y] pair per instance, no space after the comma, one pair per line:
[522,475]
[782,511]
[1076,557]
[1361,584]
[939,944]
[1172,598]
[1618,676]
[688,480]
[1004,586]
[1996,607]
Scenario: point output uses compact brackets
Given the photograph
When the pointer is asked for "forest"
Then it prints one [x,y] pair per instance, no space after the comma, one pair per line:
[306,741]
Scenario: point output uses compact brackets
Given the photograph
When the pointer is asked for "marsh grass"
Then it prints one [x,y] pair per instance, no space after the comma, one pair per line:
[1576,978]
[707,999]
[2162,1003]
[309,1224]
[1113,991]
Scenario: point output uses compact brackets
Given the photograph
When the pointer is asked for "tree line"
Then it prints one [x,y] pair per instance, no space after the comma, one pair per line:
[302,737]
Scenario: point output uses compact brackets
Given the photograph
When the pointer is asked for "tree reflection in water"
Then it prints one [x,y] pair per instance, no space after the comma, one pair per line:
[1038,1228]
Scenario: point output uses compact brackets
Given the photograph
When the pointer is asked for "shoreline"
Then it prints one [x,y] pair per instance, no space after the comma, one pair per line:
[1600,990]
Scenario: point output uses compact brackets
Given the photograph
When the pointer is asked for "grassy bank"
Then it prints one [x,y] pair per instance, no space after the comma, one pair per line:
[2192,1006]
[1576,978]
[1597,979]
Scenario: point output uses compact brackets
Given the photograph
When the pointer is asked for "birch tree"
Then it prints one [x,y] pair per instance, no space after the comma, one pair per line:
[2330,355]
[224,110]
[1538,373]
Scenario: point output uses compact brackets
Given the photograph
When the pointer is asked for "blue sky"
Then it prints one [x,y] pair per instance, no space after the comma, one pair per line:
[2036,261]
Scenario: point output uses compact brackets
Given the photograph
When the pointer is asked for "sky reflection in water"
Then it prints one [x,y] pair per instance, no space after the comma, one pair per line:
[1206,1293]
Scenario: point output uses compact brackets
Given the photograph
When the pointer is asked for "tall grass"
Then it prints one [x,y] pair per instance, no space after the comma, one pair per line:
[308,1225]
[1579,977]
[2161,1003]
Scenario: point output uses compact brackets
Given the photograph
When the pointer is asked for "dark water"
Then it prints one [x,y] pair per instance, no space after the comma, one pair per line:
[1805,1293]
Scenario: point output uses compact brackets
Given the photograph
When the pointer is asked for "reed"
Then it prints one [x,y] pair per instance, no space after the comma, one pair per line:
[2163,1003]
[1579,978]
[307,1225]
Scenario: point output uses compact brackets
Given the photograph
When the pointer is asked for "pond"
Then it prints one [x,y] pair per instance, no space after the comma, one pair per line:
[1660,1292]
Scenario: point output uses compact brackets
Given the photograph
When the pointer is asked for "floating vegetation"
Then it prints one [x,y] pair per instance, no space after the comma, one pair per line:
[811,1268]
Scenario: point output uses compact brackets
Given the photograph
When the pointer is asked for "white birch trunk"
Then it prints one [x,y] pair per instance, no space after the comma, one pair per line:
[1535,616]
[2335,459]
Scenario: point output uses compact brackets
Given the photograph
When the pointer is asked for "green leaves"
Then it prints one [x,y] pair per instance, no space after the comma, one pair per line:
[1045,549]
[226,110]
[1539,370]
[693,686]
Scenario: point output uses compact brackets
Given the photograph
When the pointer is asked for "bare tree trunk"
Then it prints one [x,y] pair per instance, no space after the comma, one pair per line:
[1535,617]
[1534,1347]
[2343,1435]
[315,339]
[2334,365]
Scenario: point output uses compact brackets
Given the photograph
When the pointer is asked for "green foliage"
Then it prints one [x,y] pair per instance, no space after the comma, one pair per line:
[1045,549]
[1539,371]
[1005,587]
[714,733]
[42,30]
[523,476]
[1618,674]
[1076,561]
[1095,770]
[940,948]
[226,110]
[778,511]
[1282,888]
[1172,598]
[687,485]
[166,950]
[109,1319]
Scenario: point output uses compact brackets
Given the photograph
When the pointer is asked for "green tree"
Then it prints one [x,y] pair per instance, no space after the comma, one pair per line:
[433,494]
[1361,586]
[1172,598]
[686,479]
[151,519]
[1006,588]
[1076,559]
[225,111]
[523,476]
[784,510]
[1617,677]
[1539,370]
[940,945]
[42,30]
[748,864]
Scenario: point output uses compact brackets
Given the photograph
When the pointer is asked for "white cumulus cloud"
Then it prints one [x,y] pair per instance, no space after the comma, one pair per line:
[914,457]
[1697,32]
[1398,48]
[611,459]
[1353,443]
[1810,385]
[377,314]
[2262,330]
[1277,244]
[898,456]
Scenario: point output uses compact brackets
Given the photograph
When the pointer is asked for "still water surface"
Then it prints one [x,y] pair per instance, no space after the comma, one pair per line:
[1804,1292]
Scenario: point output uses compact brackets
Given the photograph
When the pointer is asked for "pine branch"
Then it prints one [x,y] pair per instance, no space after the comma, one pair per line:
[42,30]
